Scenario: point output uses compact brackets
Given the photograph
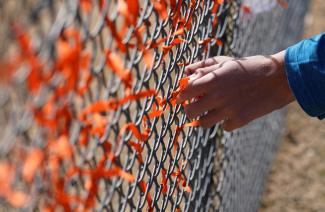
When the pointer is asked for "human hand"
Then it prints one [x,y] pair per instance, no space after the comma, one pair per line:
[235,90]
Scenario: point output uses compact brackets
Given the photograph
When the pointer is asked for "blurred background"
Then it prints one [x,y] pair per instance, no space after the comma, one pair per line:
[297,178]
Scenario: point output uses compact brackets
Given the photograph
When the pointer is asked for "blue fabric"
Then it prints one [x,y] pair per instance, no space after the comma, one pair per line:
[305,69]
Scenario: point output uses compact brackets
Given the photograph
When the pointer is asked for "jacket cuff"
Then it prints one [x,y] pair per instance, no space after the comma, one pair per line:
[306,77]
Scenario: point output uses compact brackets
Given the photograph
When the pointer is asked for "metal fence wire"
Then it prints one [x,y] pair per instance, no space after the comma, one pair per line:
[88,118]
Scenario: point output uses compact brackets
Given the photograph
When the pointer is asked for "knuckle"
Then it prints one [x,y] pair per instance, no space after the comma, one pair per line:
[188,71]
[218,58]
[188,68]
[209,61]
[200,72]
[212,79]
[222,59]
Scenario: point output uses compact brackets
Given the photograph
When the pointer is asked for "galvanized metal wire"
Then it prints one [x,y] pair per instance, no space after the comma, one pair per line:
[226,172]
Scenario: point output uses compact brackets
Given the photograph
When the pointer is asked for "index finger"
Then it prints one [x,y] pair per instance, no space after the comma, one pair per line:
[190,69]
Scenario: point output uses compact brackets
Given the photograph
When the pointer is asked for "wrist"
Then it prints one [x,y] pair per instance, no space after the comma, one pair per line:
[278,66]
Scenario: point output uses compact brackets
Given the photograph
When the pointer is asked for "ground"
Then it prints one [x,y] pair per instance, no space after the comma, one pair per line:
[297,178]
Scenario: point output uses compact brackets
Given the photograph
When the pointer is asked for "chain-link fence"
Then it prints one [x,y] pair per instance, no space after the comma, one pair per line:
[88,114]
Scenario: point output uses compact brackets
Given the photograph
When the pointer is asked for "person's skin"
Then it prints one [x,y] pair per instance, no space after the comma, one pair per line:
[235,91]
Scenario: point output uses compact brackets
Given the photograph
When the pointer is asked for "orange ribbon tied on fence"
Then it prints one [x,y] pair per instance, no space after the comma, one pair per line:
[129,9]
[16,198]
[143,187]
[32,163]
[116,64]
[180,128]
[57,113]
[132,127]
[161,7]
[113,104]
[100,172]
[164,181]
[283,4]
[138,149]
[175,42]
[28,56]
[181,179]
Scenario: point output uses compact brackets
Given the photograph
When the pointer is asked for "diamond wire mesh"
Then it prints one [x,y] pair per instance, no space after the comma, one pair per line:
[195,145]
[247,153]
[209,168]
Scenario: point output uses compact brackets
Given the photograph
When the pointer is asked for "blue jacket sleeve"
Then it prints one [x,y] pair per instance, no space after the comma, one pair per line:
[305,69]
